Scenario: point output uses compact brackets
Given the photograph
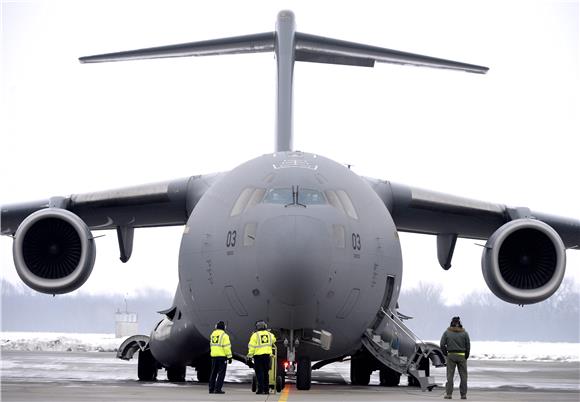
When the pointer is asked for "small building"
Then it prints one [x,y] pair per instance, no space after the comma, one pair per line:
[126,324]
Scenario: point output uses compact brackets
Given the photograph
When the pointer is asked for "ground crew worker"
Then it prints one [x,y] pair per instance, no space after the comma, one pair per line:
[220,351]
[260,349]
[456,346]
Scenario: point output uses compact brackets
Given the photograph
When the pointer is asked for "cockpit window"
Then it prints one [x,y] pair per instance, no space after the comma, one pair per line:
[256,197]
[334,200]
[347,204]
[242,201]
[278,196]
[248,198]
[341,201]
[306,196]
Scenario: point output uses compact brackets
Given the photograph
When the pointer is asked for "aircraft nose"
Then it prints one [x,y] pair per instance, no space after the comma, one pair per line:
[294,256]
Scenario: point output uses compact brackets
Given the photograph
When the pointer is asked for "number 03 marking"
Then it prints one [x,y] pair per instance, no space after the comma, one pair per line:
[231,239]
[356,245]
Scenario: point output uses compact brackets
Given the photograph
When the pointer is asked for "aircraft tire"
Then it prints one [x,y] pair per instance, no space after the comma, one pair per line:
[360,372]
[176,374]
[304,374]
[389,377]
[203,372]
[146,366]
[280,383]
[281,376]
[423,365]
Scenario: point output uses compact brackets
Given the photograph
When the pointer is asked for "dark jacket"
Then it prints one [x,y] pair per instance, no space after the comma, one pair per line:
[455,339]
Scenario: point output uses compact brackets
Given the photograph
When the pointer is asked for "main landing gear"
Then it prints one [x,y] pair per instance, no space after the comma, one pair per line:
[389,377]
[176,374]
[146,366]
[362,366]
[147,369]
[203,368]
[360,370]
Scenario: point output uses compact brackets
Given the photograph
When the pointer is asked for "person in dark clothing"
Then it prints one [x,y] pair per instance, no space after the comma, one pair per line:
[221,353]
[456,346]
[260,350]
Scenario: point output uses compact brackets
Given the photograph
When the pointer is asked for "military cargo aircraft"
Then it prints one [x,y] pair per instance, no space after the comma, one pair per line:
[289,237]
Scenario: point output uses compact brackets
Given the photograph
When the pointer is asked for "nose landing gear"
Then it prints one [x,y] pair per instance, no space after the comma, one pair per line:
[301,368]
[300,371]
[304,374]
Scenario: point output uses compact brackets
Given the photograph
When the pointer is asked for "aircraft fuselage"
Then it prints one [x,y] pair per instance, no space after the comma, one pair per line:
[292,238]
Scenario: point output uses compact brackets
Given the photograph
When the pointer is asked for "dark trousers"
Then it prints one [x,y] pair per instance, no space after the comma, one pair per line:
[460,361]
[261,367]
[218,373]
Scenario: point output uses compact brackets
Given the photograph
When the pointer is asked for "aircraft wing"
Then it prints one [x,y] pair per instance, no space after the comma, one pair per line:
[166,203]
[428,212]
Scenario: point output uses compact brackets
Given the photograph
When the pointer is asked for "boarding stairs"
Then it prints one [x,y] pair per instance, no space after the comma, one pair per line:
[396,347]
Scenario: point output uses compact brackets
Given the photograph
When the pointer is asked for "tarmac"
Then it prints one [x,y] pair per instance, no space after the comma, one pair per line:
[91,376]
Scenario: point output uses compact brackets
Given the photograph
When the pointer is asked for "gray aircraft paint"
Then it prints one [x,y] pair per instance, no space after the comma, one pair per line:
[322,266]
[294,274]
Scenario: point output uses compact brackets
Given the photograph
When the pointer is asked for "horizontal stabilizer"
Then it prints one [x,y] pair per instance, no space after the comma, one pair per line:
[327,58]
[328,50]
[310,48]
[257,43]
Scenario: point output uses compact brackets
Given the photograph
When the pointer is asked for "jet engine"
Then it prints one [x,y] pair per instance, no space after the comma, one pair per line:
[54,251]
[524,261]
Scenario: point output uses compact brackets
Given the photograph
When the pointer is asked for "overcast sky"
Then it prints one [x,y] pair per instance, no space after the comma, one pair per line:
[511,136]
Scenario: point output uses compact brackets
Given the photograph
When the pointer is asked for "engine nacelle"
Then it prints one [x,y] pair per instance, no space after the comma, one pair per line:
[524,261]
[54,251]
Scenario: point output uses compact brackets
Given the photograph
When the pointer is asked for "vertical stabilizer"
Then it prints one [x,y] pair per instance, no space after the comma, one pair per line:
[284,49]
[289,46]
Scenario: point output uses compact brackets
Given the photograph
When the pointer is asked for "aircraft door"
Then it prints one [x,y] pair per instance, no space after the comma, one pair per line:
[387,297]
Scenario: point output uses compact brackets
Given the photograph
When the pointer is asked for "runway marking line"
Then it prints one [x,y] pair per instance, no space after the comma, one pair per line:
[284,395]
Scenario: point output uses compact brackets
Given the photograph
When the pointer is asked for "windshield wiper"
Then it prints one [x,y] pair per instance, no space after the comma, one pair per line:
[295,194]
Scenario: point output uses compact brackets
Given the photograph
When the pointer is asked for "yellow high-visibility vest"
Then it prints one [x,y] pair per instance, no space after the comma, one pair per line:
[219,343]
[261,343]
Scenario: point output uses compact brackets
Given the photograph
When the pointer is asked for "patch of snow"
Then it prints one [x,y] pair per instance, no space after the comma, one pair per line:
[525,351]
[59,342]
[480,350]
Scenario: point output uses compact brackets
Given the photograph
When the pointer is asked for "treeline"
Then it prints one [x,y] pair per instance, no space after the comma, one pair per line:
[487,318]
[26,310]
[484,316]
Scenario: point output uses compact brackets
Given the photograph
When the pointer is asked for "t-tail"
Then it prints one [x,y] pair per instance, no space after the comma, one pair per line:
[289,46]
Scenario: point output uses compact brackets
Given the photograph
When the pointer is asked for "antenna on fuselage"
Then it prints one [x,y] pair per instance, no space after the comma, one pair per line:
[289,46]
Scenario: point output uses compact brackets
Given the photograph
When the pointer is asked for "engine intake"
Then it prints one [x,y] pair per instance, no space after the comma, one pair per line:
[54,251]
[524,261]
